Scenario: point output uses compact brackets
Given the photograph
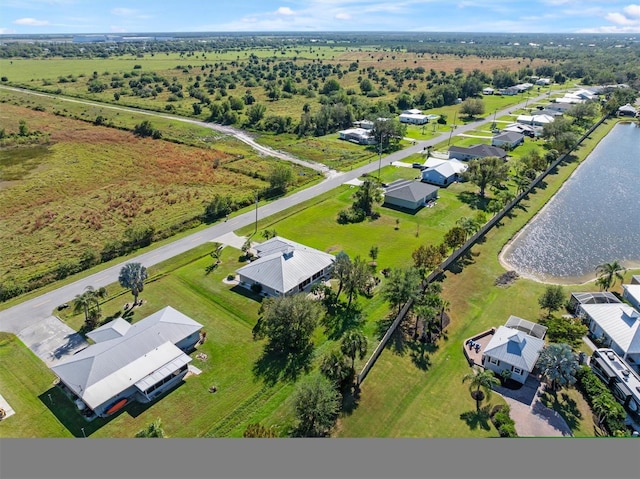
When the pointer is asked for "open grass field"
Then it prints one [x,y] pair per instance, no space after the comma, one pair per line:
[87,184]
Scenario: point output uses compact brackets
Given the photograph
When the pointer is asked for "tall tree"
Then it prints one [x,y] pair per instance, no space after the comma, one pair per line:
[367,195]
[83,302]
[334,367]
[487,171]
[354,344]
[558,364]
[357,278]
[401,286]
[608,273]
[341,270]
[426,259]
[316,403]
[132,276]
[472,107]
[480,381]
[288,323]
[551,299]
[280,178]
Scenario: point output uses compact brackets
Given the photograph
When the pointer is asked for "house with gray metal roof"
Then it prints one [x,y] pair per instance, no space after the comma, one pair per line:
[475,151]
[615,326]
[130,362]
[514,351]
[409,194]
[285,267]
[510,139]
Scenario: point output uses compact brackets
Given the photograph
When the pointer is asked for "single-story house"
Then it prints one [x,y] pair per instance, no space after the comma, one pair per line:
[622,381]
[285,267]
[543,81]
[583,94]
[535,120]
[413,118]
[512,350]
[617,326]
[569,99]
[631,293]
[627,110]
[409,194]
[546,111]
[130,362]
[476,151]
[360,136]
[510,139]
[510,91]
[526,130]
[559,106]
[488,91]
[444,173]
[412,111]
[366,124]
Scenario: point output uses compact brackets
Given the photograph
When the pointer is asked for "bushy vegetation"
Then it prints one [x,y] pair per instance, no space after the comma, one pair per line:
[612,414]
[502,421]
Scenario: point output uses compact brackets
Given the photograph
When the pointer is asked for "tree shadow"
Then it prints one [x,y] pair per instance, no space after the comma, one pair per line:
[563,405]
[474,200]
[340,319]
[274,366]
[350,400]
[421,353]
[397,343]
[465,259]
[247,293]
[477,419]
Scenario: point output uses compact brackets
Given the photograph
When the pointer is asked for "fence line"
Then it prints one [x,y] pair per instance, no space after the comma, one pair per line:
[468,244]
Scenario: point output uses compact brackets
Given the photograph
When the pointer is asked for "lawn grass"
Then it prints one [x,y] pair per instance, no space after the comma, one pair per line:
[24,381]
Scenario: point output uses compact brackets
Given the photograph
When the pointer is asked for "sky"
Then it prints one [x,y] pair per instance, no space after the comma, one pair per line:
[135,16]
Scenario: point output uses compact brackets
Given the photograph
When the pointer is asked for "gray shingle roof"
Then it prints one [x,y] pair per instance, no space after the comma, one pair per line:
[284,264]
[514,347]
[103,370]
[409,190]
[509,136]
[480,151]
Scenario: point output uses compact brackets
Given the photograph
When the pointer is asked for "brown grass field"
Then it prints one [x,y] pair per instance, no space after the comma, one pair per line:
[88,183]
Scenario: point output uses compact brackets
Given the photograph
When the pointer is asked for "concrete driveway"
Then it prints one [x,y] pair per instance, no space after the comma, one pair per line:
[52,340]
[531,417]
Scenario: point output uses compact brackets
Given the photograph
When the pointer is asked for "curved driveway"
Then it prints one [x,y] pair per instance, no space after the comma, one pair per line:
[49,338]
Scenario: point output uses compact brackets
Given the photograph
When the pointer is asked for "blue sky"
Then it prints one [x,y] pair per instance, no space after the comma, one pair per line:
[108,16]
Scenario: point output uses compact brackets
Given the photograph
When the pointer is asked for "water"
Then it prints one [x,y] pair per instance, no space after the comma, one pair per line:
[594,218]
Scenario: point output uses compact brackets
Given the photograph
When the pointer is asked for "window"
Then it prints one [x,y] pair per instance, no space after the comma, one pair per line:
[494,361]
[516,370]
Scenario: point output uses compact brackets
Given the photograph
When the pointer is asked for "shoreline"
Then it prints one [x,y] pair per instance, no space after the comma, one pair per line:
[559,280]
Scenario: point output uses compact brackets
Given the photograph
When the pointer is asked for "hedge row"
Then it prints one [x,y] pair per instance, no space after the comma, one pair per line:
[593,388]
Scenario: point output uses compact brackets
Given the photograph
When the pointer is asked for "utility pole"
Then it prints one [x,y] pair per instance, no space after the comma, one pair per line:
[380,156]
[256,230]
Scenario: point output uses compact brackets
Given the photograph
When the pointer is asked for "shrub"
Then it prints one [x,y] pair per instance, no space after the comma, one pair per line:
[256,288]
[503,422]
[593,388]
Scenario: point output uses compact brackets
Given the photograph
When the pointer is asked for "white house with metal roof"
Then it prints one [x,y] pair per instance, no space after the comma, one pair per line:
[509,139]
[445,172]
[623,382]
[512,350]
[617,326]
[631,292]
[285,267]
[130,362]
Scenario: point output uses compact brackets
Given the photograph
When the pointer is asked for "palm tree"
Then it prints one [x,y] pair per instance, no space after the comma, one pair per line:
[427,313]
[95,295]
[468,225]
[83,302]
[602,406]
[354,343]
[559,364]
[132,276]
[481,380]
[153,430]
[217,252]
[608,273]
[334,367]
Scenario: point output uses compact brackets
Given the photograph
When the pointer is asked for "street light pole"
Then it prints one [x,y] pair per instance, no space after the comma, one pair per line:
[256,229]
[380,156]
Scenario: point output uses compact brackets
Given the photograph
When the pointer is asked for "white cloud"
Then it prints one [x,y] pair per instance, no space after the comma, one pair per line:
[5,31]
[285,11]
[31,22]
[627,21]
[632,11]
[619,18]
[342,16]
[117,29]
[123,12]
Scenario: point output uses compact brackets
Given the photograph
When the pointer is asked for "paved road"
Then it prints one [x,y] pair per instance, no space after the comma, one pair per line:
[49,338]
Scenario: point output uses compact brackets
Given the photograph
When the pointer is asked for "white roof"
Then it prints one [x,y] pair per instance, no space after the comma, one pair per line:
[413,111]
[105,369]
[456,164]
[632,291]
[113,329]
[417,116]
[448,168]
[620,322]
[536,118]
[514,347]
[284,264]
